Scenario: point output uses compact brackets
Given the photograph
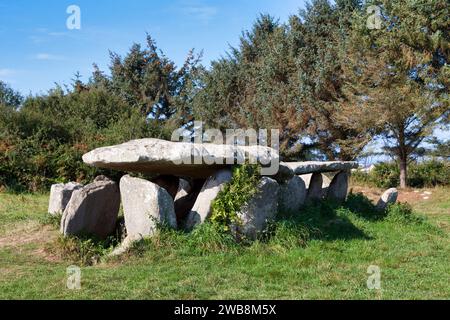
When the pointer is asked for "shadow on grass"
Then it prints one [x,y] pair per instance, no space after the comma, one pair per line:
[328,220]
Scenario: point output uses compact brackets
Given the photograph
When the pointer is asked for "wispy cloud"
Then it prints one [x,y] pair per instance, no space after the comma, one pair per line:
[42,35]
[7,72]
[199,11]
[48,57]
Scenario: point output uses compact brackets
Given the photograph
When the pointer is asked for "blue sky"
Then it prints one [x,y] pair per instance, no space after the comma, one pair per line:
[39,50]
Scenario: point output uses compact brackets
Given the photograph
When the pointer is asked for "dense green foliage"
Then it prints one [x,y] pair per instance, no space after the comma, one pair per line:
[43,139]
[42,142]
[426,174]
[402,73]
[325,79]
[234,195]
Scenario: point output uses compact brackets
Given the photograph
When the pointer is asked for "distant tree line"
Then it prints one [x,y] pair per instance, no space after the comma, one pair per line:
[326,79]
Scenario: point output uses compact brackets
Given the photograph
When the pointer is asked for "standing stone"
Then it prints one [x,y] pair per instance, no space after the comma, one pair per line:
[339,187]
[315,187]
[262,208]
[202,207]
[60,195]
[92,210]
[292,194]
[388,198]
[145,205]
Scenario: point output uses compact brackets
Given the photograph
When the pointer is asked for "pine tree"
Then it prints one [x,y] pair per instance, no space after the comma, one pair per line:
[400,73]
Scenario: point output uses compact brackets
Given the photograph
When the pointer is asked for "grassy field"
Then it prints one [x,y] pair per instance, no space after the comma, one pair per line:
[323,253]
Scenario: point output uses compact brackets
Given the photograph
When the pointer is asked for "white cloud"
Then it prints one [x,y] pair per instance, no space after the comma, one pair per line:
[199,11]
[48,57]
[6,72]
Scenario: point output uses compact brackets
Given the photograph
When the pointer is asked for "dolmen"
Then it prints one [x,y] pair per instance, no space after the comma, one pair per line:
[183,180]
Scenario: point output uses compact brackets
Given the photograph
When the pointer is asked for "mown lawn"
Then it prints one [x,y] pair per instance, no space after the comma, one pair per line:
[329,261]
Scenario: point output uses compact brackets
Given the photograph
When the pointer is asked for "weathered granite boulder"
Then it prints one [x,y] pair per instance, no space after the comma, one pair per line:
[92,210]
[145,205]
[338,188]
[202,207]
[315,187]
[261,209]
[177,158]
[60,195]
[388,198]
[301,168]
[292,194]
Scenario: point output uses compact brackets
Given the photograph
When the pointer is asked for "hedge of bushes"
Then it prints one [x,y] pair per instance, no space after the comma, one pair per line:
[42,142]
[420,175]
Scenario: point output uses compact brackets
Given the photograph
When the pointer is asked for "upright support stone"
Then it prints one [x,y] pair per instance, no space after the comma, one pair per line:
[145,205]
[202,207]
[292,194]
[315,187]
[92,210]
[60,195]
[338,188]
[262,208]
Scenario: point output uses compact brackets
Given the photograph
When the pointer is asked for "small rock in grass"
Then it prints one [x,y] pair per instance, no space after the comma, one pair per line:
[388,198]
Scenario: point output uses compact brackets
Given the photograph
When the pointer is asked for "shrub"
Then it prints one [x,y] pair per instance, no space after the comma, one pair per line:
[235,194]
[42,142]
[420,175]
[429,174]
[386,175]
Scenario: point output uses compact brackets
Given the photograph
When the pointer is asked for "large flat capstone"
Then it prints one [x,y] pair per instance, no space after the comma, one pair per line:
[177,158]
[301,168]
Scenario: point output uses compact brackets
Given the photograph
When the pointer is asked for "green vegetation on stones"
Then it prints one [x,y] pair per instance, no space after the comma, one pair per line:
[235,194]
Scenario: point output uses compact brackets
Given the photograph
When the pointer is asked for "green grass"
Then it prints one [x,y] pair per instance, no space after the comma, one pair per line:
[322,253]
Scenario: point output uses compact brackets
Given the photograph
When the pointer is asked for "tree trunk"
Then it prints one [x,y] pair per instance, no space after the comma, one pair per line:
[402,157]
[403,173]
